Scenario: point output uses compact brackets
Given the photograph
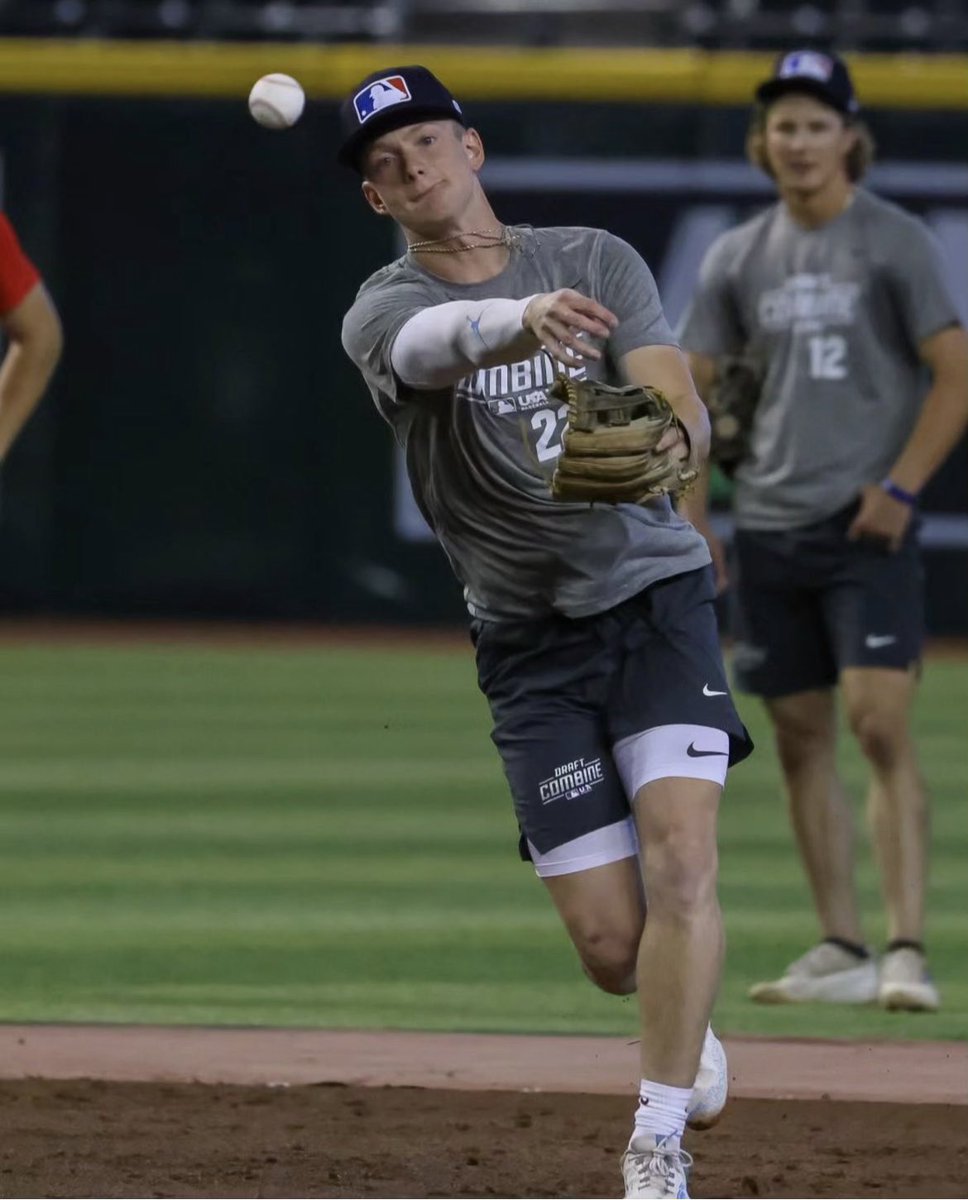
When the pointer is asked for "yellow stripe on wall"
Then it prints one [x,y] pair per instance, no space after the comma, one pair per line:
[472,72]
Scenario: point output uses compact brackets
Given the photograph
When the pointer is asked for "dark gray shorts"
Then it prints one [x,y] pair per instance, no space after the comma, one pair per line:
[563,691]
[807,603]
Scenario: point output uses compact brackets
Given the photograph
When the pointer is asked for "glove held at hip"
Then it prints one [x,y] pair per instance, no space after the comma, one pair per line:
[609,445]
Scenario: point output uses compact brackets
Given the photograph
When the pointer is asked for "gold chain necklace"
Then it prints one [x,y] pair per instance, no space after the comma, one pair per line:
[492,240]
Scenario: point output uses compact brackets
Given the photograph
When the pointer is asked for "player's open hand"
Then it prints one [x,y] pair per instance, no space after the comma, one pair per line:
[564,322]
[880,518]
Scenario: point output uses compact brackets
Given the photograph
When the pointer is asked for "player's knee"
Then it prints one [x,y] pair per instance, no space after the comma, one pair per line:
[681,869]
[804,728]
[608,958]
[880,736]
[799,743]
[616,980]
[792,752]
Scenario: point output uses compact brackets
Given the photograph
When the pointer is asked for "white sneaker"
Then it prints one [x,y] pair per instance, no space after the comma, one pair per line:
[905,982]
[711,1088]
[827,973]
[655,1166]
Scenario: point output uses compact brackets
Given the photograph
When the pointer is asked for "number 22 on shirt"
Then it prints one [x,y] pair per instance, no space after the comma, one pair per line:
[549,423]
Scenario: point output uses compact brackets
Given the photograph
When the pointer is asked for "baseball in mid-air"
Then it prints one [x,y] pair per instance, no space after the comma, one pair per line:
[277,101]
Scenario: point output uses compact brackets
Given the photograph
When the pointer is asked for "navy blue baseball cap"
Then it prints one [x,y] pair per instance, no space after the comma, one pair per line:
[390,99]
[815,72]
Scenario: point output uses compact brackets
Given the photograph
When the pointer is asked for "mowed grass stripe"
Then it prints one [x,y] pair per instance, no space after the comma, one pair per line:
[135,775]
[322,836]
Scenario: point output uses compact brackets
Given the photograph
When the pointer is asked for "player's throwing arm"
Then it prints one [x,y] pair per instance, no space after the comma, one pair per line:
[439,345]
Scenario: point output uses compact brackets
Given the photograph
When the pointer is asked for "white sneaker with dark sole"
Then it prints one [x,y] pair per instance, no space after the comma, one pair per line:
[827,974]
[655,1167]
[905,984]
[711,1088]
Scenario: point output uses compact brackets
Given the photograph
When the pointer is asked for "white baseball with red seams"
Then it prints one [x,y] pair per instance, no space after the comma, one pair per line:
[277,101]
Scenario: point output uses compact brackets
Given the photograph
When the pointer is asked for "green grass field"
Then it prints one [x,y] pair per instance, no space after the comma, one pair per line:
[321,836]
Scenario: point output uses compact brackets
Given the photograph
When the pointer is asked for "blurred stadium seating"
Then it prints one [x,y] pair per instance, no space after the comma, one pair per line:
[880,25]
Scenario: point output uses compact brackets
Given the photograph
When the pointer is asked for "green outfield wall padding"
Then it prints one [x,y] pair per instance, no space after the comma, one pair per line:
[682,76]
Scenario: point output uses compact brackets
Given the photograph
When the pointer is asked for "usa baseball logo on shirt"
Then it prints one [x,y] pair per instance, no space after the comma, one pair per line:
[380,94]
[514,387]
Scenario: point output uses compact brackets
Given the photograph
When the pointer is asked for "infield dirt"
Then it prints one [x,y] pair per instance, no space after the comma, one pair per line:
[83,1136]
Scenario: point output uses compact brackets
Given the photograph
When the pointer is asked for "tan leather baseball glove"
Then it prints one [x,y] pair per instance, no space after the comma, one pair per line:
[610,444]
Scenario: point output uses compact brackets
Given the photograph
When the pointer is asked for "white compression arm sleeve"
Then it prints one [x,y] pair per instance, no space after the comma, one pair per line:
[440,345]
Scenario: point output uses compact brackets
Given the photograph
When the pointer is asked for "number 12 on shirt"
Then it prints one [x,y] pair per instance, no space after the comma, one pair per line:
[828,356]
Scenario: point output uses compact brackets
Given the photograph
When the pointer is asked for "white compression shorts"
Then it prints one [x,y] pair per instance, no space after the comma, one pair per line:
[668,751]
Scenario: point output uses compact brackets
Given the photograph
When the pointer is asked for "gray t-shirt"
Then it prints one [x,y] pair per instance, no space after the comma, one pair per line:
[480,455]
[835,315]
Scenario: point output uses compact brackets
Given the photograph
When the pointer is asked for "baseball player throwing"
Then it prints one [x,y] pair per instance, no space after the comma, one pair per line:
[593,623]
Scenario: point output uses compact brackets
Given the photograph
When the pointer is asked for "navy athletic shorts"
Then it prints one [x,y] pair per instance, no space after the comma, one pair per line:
[563,691]
[808,603]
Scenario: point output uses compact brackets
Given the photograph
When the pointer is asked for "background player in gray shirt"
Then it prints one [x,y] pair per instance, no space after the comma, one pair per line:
[838,296]
[593,624]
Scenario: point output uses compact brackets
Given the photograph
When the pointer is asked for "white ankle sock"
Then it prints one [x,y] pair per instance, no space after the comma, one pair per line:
[661,1110]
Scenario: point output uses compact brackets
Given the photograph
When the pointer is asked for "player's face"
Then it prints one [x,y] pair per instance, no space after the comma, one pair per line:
[424,176]
[807,143]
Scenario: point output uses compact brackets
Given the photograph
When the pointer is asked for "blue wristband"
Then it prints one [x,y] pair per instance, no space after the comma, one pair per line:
[898,493]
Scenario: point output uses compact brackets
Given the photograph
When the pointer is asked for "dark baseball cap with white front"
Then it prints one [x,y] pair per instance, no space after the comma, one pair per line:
[388,100]
[815,72]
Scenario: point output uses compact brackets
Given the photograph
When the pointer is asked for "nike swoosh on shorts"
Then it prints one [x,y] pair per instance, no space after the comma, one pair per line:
[694,753]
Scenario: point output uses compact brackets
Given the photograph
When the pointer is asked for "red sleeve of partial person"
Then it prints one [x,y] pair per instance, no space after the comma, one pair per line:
[18,275]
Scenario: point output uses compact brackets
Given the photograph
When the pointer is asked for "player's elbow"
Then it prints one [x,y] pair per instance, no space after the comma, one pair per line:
[426,354]
[420,371]
[34,328]
[43,348]
[50,340]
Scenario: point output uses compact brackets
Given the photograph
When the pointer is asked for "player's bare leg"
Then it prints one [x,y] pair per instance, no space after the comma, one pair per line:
[879,704]
[603,911]
[898,815]
[675,962]
[681,944]
[839,969]
[681,952]
[805,728]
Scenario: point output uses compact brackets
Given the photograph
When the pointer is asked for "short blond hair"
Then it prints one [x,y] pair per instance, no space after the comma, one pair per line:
[859,158]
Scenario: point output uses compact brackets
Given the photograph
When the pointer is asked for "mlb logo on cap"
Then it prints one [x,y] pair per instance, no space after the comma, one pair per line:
[389,99]
[380,94]
[806,64]
[822,75]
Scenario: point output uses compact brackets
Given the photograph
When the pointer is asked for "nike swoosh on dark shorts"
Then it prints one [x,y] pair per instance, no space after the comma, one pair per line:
[694,753]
